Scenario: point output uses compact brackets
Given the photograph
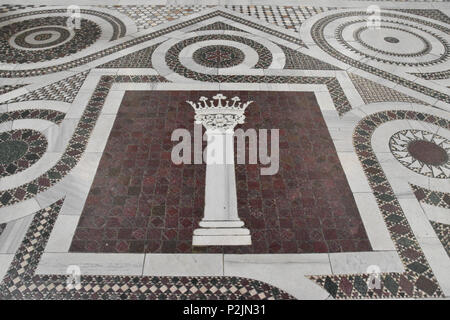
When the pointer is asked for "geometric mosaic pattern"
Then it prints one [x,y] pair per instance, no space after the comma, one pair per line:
[138,59]
[76,145]
[140,39]
[317,32]
[280,56]
[4,8]
[173,54]
[17,45]
[298,60]
[418,279]
[289,17]
[372,92]
[21,282]
[20,149]
[434,75]
[443,232]
[148,16]
[217,56]
[64,90]
[50,115]
[434,198]
[8,88]
[429,13]
[423,152]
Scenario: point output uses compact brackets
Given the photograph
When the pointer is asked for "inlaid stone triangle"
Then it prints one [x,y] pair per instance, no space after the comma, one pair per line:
[64,90]
[138,59]
[372,92]
[219,25]
[298,60]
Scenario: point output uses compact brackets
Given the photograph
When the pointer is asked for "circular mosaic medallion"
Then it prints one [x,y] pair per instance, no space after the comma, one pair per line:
[423,152]
[399,39]
[20,149]
[43,39]
[208,56]
[411,45]
[218,56]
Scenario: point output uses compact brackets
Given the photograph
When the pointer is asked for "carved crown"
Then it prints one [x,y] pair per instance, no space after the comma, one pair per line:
[215,115]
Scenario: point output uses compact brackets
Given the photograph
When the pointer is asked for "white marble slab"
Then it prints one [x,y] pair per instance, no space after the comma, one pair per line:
[92,263]
[183,264]
[359,262]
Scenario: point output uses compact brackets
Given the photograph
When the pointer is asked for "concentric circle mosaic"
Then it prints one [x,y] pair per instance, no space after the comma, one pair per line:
[397,40]
[43,39]
[423,152]
[20,149]
[415,44]
[218,56]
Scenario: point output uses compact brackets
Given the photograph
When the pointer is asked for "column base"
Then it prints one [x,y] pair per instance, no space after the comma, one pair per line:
[221,237]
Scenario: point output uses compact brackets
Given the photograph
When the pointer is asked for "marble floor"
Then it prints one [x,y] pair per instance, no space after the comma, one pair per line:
[93,205]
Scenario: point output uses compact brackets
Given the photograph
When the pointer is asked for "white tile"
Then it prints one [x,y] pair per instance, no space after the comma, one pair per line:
[359,262]
[92,263]
[417,219]
[183,264]
[354,172]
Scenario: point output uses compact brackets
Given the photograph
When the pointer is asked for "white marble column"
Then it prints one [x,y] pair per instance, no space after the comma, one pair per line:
[220,224]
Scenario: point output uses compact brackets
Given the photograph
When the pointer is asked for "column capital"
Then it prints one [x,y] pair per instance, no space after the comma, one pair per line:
[219,113]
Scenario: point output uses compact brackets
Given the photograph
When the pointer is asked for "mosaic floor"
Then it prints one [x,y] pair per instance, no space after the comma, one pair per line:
[92,205]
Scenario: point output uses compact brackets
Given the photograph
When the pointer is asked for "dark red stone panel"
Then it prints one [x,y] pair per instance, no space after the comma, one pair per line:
[141,202]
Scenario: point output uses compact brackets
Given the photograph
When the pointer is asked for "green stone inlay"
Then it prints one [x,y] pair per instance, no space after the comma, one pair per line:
[391,284]
[360,285]
[12,150]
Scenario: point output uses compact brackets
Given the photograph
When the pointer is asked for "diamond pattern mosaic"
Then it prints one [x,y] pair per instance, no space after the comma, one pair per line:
[434,198]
